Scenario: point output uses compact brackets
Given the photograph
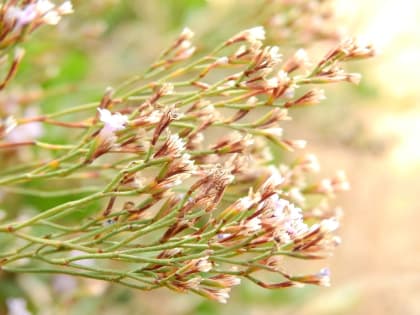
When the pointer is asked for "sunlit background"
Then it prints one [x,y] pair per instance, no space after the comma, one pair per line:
[372,131]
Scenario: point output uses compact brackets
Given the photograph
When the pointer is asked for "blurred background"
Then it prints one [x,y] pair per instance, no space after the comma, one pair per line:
[371,130]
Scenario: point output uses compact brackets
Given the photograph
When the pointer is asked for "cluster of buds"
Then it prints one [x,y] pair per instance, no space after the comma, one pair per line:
[17,20]
[313,20]
[192,200]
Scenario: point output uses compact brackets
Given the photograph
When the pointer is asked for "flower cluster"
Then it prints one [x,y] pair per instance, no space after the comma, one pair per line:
[192,196]
[33,14]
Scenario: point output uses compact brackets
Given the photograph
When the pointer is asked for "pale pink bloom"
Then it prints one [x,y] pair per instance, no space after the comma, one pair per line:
[222,60]
[283,77]
[186,34]
[253,225]
[51,18]
[275,55]
[44,6]
[113,122]
[64,284]
[310,163]
[17,306]
[10,123]
[323,277]
[203,264]
[275,131]
[297,144]
[222,295]
[301,57]
[19,16]
[65,8]
[274,180]
[25,132]
[329,225]
[255,34]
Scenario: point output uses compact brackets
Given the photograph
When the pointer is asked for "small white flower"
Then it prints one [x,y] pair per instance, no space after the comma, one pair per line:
[310,163]
[222,295]
[223,236]
[283,77]
[186,34]
[255,34]
[275,178]
[253,225]
[324,277]
[113,122]
[17,306]
[245,203]
[290,91]
[203,264]
[176,144]
[354,78]
[274,53]
[20,17]
[302,58]
[167,89]
[275,131]
[51,18]
[44,6]
[9,124]
[222,61]
[298,144]
[186,53]
[25,132]
[272,83]
[279,206]
[329,225]
[66,8]
[252,100]
[297,196]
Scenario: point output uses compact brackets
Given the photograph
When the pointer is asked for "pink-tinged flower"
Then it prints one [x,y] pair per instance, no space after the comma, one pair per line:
[113,122]
[9,124]
[203,264]
[310,163]
[255,34]
[65,8]
[279,206]
[186,34]
[25,132]
[274,132]
[253,225]
[219,295]
[20,17]
[272,182]
[51,18]
[323,277]
[329,225]
[64,284]
[43,6]
[17,306]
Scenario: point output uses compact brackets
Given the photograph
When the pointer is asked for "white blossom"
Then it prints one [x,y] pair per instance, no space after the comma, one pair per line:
[113,122]
[255,34]
[203,264]
[66,8]
[17,306]
[323,277]
[253,225]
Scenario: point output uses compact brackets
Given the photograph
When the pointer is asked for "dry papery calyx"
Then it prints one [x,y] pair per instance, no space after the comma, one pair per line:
[193,198]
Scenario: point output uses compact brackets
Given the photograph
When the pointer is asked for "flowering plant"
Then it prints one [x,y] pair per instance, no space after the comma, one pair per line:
[183,158]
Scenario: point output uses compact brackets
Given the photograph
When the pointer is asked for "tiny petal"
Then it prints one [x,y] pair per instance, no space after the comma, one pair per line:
[114,122]
[66,8]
